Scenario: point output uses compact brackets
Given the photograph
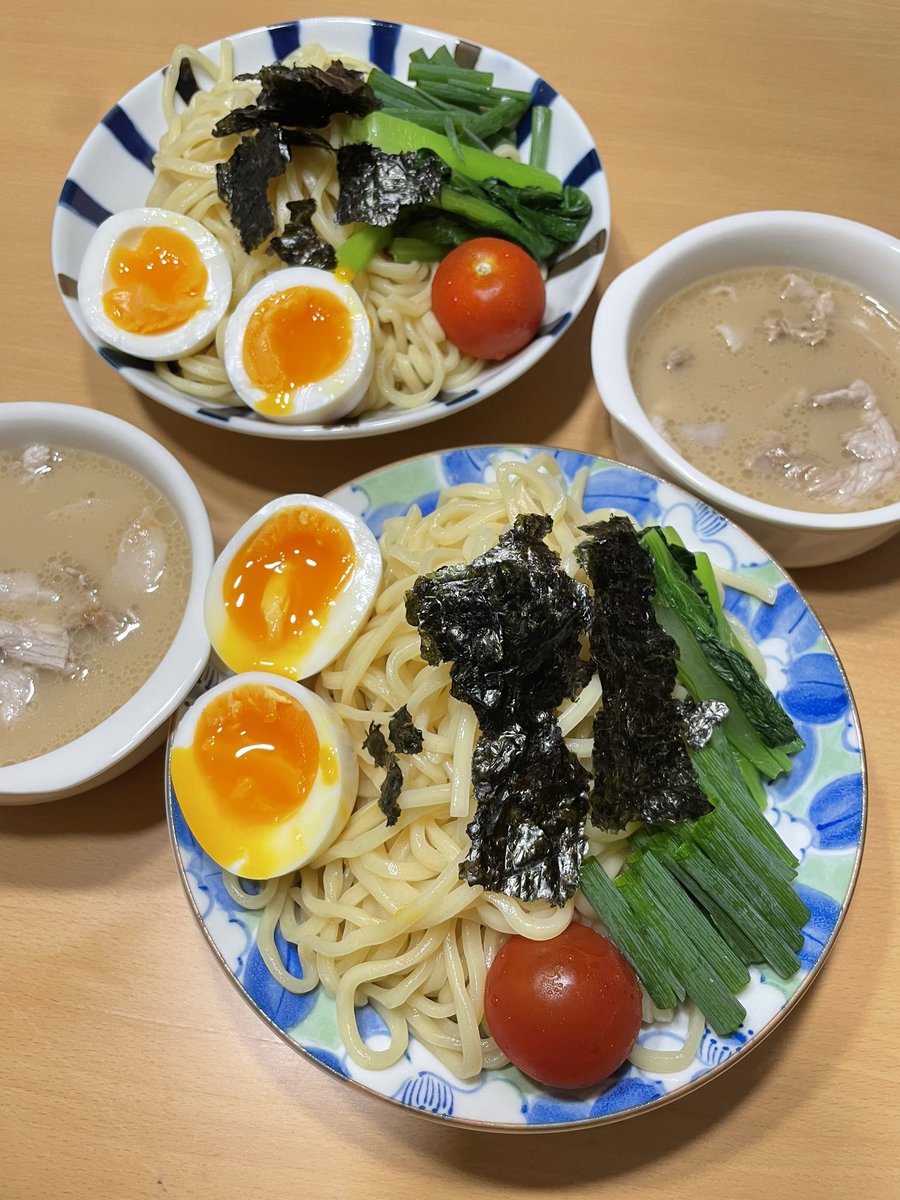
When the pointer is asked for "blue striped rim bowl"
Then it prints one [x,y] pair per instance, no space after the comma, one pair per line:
[112,172]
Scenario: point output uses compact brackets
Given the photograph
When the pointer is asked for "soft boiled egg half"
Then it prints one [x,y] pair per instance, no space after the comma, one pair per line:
[265,774]
[292,587]
[298,347]
[154,284]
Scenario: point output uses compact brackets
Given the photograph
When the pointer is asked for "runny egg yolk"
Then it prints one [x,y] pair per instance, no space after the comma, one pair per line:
[158,285]
[279,588]
[250,767]
[295,337]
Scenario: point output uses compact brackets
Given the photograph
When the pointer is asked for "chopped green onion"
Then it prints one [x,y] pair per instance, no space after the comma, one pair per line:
[421,72]
[613,909]
[360,247]
[410,249]
[540,135]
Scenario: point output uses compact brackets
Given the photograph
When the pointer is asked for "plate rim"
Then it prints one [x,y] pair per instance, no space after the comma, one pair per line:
[715,1072]
[223,416]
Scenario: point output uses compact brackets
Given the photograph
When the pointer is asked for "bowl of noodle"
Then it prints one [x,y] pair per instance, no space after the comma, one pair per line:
[154,147]
[371,960]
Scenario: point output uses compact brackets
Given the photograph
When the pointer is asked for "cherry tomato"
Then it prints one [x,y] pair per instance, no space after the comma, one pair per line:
[488,295]
[565,1011]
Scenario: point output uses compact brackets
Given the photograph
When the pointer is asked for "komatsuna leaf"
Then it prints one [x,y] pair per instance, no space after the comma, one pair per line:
[243,184]
[375,187]
[299,245]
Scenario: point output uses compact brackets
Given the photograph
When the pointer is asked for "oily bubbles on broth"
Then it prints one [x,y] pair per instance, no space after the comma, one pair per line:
[782,384]
[94,578]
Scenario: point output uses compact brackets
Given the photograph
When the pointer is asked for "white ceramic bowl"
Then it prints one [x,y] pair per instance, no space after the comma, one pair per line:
[113,171]
[862,256]
[133,730]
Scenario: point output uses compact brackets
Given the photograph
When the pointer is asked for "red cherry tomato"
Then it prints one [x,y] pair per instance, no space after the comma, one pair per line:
[565,1011]
[488,295]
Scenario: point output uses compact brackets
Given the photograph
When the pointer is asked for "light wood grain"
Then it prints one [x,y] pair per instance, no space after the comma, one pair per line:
[130,1068]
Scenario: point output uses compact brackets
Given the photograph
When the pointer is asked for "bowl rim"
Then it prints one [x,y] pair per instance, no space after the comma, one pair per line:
[609,360]
[235,416]
[95,752]
[582,1123]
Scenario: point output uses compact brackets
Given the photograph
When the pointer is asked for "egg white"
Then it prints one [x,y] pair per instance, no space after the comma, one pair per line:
[351,607]
[94,281]
[328,398]
[293,841]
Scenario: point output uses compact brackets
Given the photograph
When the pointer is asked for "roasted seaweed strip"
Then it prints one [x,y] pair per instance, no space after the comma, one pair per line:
[642,771]
[511,622]
[527,835]
[406,740]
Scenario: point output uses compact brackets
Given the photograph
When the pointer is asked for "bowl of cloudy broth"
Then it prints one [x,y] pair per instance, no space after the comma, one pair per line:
[105,551]
[756,360]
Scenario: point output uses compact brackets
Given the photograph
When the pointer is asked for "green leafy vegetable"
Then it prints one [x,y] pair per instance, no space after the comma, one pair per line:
[527,835]
[395,136]
[243,183]
[735,871]
[375,186]
[680,589]
[299,244]
[511,622]
[360,247]
[642,771]
[540,221]
[541,117]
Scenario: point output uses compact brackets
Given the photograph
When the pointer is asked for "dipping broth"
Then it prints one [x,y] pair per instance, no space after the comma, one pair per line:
[95,569]
[781,384]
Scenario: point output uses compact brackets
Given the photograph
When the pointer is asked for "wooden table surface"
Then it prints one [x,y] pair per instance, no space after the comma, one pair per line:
[129,1066]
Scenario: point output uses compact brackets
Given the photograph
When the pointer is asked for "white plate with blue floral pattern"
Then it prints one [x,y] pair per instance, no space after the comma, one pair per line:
[819,810]
[113,171]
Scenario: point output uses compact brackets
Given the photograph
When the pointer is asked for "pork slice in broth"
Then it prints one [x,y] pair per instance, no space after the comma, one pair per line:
[16,689]
[873,445]
[36,645]
[141,556]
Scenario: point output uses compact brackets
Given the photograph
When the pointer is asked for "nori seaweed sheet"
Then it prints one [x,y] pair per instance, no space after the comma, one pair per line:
[532,800]
[243,183]
[375,186]
[642,771]
[299,245]
[407,740]
[511,622]
[392,785]
[301,97]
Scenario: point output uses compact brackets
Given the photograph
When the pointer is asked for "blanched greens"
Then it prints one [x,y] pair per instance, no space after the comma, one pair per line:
[243,183]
